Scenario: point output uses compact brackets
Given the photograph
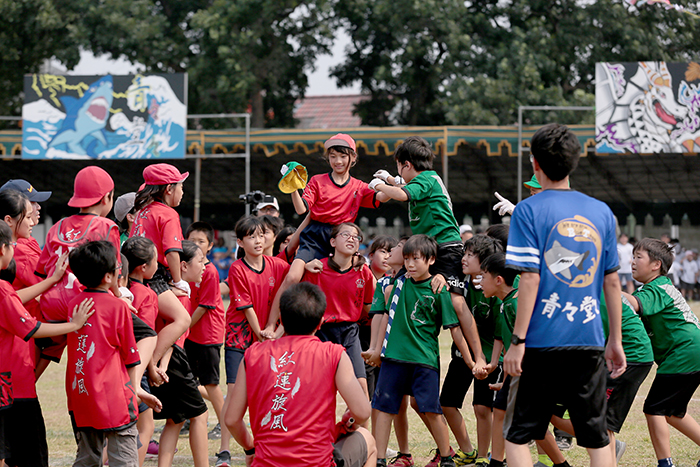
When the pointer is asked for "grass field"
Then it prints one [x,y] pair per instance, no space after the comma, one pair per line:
[639,450]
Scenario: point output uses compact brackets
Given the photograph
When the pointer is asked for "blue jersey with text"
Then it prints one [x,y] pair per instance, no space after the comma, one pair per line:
[569,239]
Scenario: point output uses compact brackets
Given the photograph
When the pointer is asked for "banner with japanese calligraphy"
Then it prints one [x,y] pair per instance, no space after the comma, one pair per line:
[104,117]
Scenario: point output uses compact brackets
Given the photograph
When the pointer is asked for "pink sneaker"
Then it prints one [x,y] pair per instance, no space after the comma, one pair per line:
[152,452]
[402,460]
[435,461]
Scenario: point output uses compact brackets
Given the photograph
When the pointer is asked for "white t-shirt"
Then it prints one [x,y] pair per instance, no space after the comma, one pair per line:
[688,270]
[624,252]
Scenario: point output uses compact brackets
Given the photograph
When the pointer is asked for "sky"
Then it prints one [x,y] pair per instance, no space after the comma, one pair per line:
[320,84]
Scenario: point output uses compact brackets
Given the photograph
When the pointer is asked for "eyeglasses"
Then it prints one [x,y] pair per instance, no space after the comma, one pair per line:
[347,236]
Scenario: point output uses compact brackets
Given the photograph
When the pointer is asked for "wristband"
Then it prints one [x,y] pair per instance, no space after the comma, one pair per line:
[249,452]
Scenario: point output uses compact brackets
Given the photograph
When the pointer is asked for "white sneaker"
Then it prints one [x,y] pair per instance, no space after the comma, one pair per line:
[391,453]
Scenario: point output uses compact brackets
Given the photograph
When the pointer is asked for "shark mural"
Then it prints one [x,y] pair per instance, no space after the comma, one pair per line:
[647,107]
[108,117]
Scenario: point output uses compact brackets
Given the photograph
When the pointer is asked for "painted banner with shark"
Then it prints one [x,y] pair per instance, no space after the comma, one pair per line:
[647,107]
[104,117]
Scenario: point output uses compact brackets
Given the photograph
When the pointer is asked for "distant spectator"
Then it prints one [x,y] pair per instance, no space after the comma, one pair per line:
[624,252]
[466,232]
[688,275]
[269,207]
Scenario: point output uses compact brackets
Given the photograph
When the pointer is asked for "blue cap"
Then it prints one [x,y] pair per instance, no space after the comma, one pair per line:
[25,187]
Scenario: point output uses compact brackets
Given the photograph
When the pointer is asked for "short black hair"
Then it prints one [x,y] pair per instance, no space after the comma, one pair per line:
[283,234]
[417,151]
[14,204]
[91,261]
[426,246]
[5,233]
[301,308]
[557,150]
[138,251]
[386,242]
[124,271]
[500,233]
[189,251]
[496,266]
[482,246]
[247,226]
[273,223]
[657,251]
[201,226]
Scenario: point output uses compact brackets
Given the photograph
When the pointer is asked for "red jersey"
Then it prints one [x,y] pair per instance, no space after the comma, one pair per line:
[15,320]
[146,301]
[334,204]
[27,254]
[68,233]
[99,391]
[160,223]
[211,326]
[161,323]
[291,400]
[346,292]
[251,288]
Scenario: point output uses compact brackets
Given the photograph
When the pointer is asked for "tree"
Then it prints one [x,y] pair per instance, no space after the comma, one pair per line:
[33,31]
[258,52]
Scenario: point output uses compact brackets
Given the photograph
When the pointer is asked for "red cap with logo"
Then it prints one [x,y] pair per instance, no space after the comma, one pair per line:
[90,186]
[341,139]
[163,174]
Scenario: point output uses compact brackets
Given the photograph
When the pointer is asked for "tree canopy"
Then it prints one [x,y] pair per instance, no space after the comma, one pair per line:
[429,62]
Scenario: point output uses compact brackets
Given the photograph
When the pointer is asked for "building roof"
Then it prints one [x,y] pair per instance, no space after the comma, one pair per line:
[328,111]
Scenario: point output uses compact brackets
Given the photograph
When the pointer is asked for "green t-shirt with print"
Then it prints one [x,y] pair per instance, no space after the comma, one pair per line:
[635,341]
[672,326]
[419,316]
[430,208]
[484,311]
[505,320]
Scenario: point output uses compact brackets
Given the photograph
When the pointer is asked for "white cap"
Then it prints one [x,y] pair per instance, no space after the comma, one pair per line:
[464,228]
[269,201]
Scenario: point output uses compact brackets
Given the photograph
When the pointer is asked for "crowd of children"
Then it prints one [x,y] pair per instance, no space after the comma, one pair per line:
[139,308]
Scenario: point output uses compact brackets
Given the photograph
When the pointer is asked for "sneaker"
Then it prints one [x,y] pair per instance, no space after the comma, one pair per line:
[564,443]
[223,459]
[215,433]
[152,452]
[381,462]
[185,430]
[620,447]
[482,462]
[401,460]
[435,461]
[390,453]
[462,458]
[447,462]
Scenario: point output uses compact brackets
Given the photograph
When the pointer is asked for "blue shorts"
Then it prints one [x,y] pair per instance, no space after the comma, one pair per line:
[232,358]
[625,278]
[397,379]
[144,385]
[315,242]
[347,335]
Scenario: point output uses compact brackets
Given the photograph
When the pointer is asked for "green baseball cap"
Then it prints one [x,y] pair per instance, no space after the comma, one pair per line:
[294,177]
[533,183]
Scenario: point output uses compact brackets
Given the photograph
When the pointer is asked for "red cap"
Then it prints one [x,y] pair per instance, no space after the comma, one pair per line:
[163,174]
[341,139]
[90,186]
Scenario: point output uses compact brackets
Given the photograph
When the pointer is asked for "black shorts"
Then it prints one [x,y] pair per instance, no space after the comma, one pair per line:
[576,378]
[180,396]
[141,329]
[159,282]
[232,360]
[144,385]
[622,391]
[315,242]
[457,381]
[347,335]
[26,436]
[448,262]
[4,426]
[669,394]
[350,450]
[204,361]
[687,285]
[501,401]
[397,379]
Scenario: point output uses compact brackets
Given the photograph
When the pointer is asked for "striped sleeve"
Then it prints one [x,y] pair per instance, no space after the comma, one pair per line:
[522,253]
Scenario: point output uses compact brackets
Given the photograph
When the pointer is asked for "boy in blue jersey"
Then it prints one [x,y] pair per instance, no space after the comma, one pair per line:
[564,245]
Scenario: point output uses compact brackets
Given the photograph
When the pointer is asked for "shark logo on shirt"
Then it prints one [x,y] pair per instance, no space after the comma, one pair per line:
[573,251]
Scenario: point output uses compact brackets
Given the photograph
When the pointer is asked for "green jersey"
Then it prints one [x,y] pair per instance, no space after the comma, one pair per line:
[505,320]
[635,341]
[485,311]
[430,208]
[419,316]
[672,327]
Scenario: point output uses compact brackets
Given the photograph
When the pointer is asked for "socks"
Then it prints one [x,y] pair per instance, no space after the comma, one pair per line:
[544,458]
[495,463]
[563,464]
[668,462]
